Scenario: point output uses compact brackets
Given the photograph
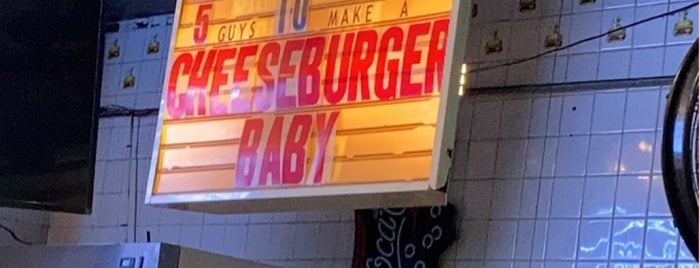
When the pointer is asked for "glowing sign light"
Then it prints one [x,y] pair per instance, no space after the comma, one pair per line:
[277,99]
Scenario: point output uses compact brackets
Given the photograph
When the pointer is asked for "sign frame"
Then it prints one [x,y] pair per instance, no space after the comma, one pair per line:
[431,192]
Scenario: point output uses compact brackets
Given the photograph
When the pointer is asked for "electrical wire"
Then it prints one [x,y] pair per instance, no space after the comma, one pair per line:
[14,235]
[110,111]
[577,43]
[136,174]
[131,145]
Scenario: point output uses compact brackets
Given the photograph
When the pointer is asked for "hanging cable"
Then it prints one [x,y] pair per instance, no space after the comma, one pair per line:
[136,194]
[14,235]
[135,129]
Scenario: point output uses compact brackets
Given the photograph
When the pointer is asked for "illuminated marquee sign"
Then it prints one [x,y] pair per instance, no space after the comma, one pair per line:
[304,98]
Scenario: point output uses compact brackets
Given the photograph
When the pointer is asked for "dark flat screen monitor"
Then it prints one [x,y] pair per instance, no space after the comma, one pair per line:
[50,72]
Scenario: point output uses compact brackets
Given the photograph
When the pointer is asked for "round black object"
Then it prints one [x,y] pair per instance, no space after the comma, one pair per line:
[680,149]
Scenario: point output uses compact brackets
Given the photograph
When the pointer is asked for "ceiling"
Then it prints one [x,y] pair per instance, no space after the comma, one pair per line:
[116,10]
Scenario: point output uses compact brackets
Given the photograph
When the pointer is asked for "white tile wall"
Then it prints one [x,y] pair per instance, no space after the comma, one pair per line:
[614,64]
[29,225]
[648,50]
[647,62]
[625,14]
[597,202]
[542,179]
[594,239]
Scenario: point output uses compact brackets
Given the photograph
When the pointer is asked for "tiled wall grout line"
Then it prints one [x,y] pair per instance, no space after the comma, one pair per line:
[492,189]
[650,185]
[541,170]
[465,167]
[555,167]
[582,202]
[616,187]
[630,131]
[521,190]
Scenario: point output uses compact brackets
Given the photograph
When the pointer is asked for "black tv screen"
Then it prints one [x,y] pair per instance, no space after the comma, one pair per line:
[49,97]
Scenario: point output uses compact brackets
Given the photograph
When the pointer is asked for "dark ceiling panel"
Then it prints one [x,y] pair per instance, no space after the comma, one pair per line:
[116,10]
